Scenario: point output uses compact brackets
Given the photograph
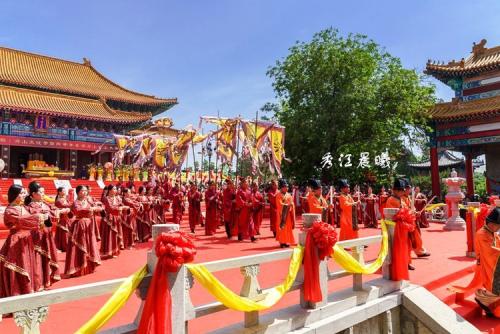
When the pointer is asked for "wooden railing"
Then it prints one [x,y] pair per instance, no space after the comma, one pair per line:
[30,310]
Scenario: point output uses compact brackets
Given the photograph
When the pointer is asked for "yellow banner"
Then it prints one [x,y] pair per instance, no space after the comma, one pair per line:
[235,302]
[160,158]
[115,303]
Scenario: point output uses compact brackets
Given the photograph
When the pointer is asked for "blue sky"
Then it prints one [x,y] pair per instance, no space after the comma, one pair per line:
[213,55]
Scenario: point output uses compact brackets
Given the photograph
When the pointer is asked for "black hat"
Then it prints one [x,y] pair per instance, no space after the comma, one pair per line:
[399,184]
[407,183]
[494,216]
[282,183]
[343,183]
[314,184]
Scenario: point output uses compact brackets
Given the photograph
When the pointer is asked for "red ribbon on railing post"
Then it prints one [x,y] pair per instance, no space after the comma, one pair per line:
[320,239]
[173,249]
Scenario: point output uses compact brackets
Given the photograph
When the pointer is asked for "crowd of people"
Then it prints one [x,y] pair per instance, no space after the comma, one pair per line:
[89,230]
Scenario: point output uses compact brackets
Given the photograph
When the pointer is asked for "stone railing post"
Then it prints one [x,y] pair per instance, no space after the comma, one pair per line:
[471,229]
[179,283]
[250,288]
[30,320]
[357,279]
[309,219]
[386,267]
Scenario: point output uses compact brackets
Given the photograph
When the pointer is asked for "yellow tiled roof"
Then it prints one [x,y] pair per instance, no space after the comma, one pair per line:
[28,100]
[481,59]
[463,110]
[37,71]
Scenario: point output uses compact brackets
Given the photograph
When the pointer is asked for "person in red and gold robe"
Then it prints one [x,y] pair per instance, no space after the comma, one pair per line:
[316,203]
[194,200]
[304,200]
[17,256]
[273,210]
[370,209]
[144,223]
[43,239]
[487,246]
[383,196]
[244,207]
[257,207]
[211,209]
[285,209]
[82,256]
[129,219]
[346,204]
[416,235]
[400,254]
[112,234]
[63,227]
[177,198]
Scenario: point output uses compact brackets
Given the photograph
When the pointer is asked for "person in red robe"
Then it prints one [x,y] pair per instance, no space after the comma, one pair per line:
[211,209]
[346,204]
[97,216]
[273,209]
[82,256]
[45,246]
[244,207]
[129,219]
[153,203]
[416,235]
[194,201]
[316,203]
[257,207]
[383,196]
[420,204]
[63,227]
[487,246]
[358,210]
[228,200]
[144,224]
[177,198]
[370,209]
[285,215]
[400,255]
[17,256]
[112,234]
[304,199]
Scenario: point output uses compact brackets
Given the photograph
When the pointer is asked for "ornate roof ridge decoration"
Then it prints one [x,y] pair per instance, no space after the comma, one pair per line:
[445,159]
[480,60]
[457,109]
[35,101]
[44,72]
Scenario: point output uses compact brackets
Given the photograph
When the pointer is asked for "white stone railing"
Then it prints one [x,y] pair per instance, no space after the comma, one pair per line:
[30,310]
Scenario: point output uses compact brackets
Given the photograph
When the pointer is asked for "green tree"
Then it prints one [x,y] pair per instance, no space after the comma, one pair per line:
[346,95]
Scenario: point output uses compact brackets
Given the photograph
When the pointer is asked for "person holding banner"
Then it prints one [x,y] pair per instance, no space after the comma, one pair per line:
[273,208]
[285,216]
[211,209]
[487,246]
[244,206]
[348,226]
[228,200]
[194,201]
[258,207]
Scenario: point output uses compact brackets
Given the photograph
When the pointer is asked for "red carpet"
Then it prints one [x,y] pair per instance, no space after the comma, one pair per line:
[447,265]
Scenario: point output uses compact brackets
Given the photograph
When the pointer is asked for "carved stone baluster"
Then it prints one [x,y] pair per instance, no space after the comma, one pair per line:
[30,320]
[251,288]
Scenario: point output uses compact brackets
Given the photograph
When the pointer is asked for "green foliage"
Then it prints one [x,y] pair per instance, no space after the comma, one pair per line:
[346,95]
[480,185]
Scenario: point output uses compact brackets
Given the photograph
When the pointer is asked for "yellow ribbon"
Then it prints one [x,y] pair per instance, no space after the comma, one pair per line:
[434,206]
[114,303]
[349,264]
[243,304]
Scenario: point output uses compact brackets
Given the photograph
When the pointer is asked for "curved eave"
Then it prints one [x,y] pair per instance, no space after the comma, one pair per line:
[443,72]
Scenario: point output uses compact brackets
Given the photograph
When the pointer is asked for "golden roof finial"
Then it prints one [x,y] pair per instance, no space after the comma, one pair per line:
[478,49]
[86,62]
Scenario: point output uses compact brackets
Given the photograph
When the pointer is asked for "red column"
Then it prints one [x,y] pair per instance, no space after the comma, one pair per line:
[436,187]
[469,174]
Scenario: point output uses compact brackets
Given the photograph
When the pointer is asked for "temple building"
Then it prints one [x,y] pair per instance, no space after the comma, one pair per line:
[446,161]
[470,123]
[55,113]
